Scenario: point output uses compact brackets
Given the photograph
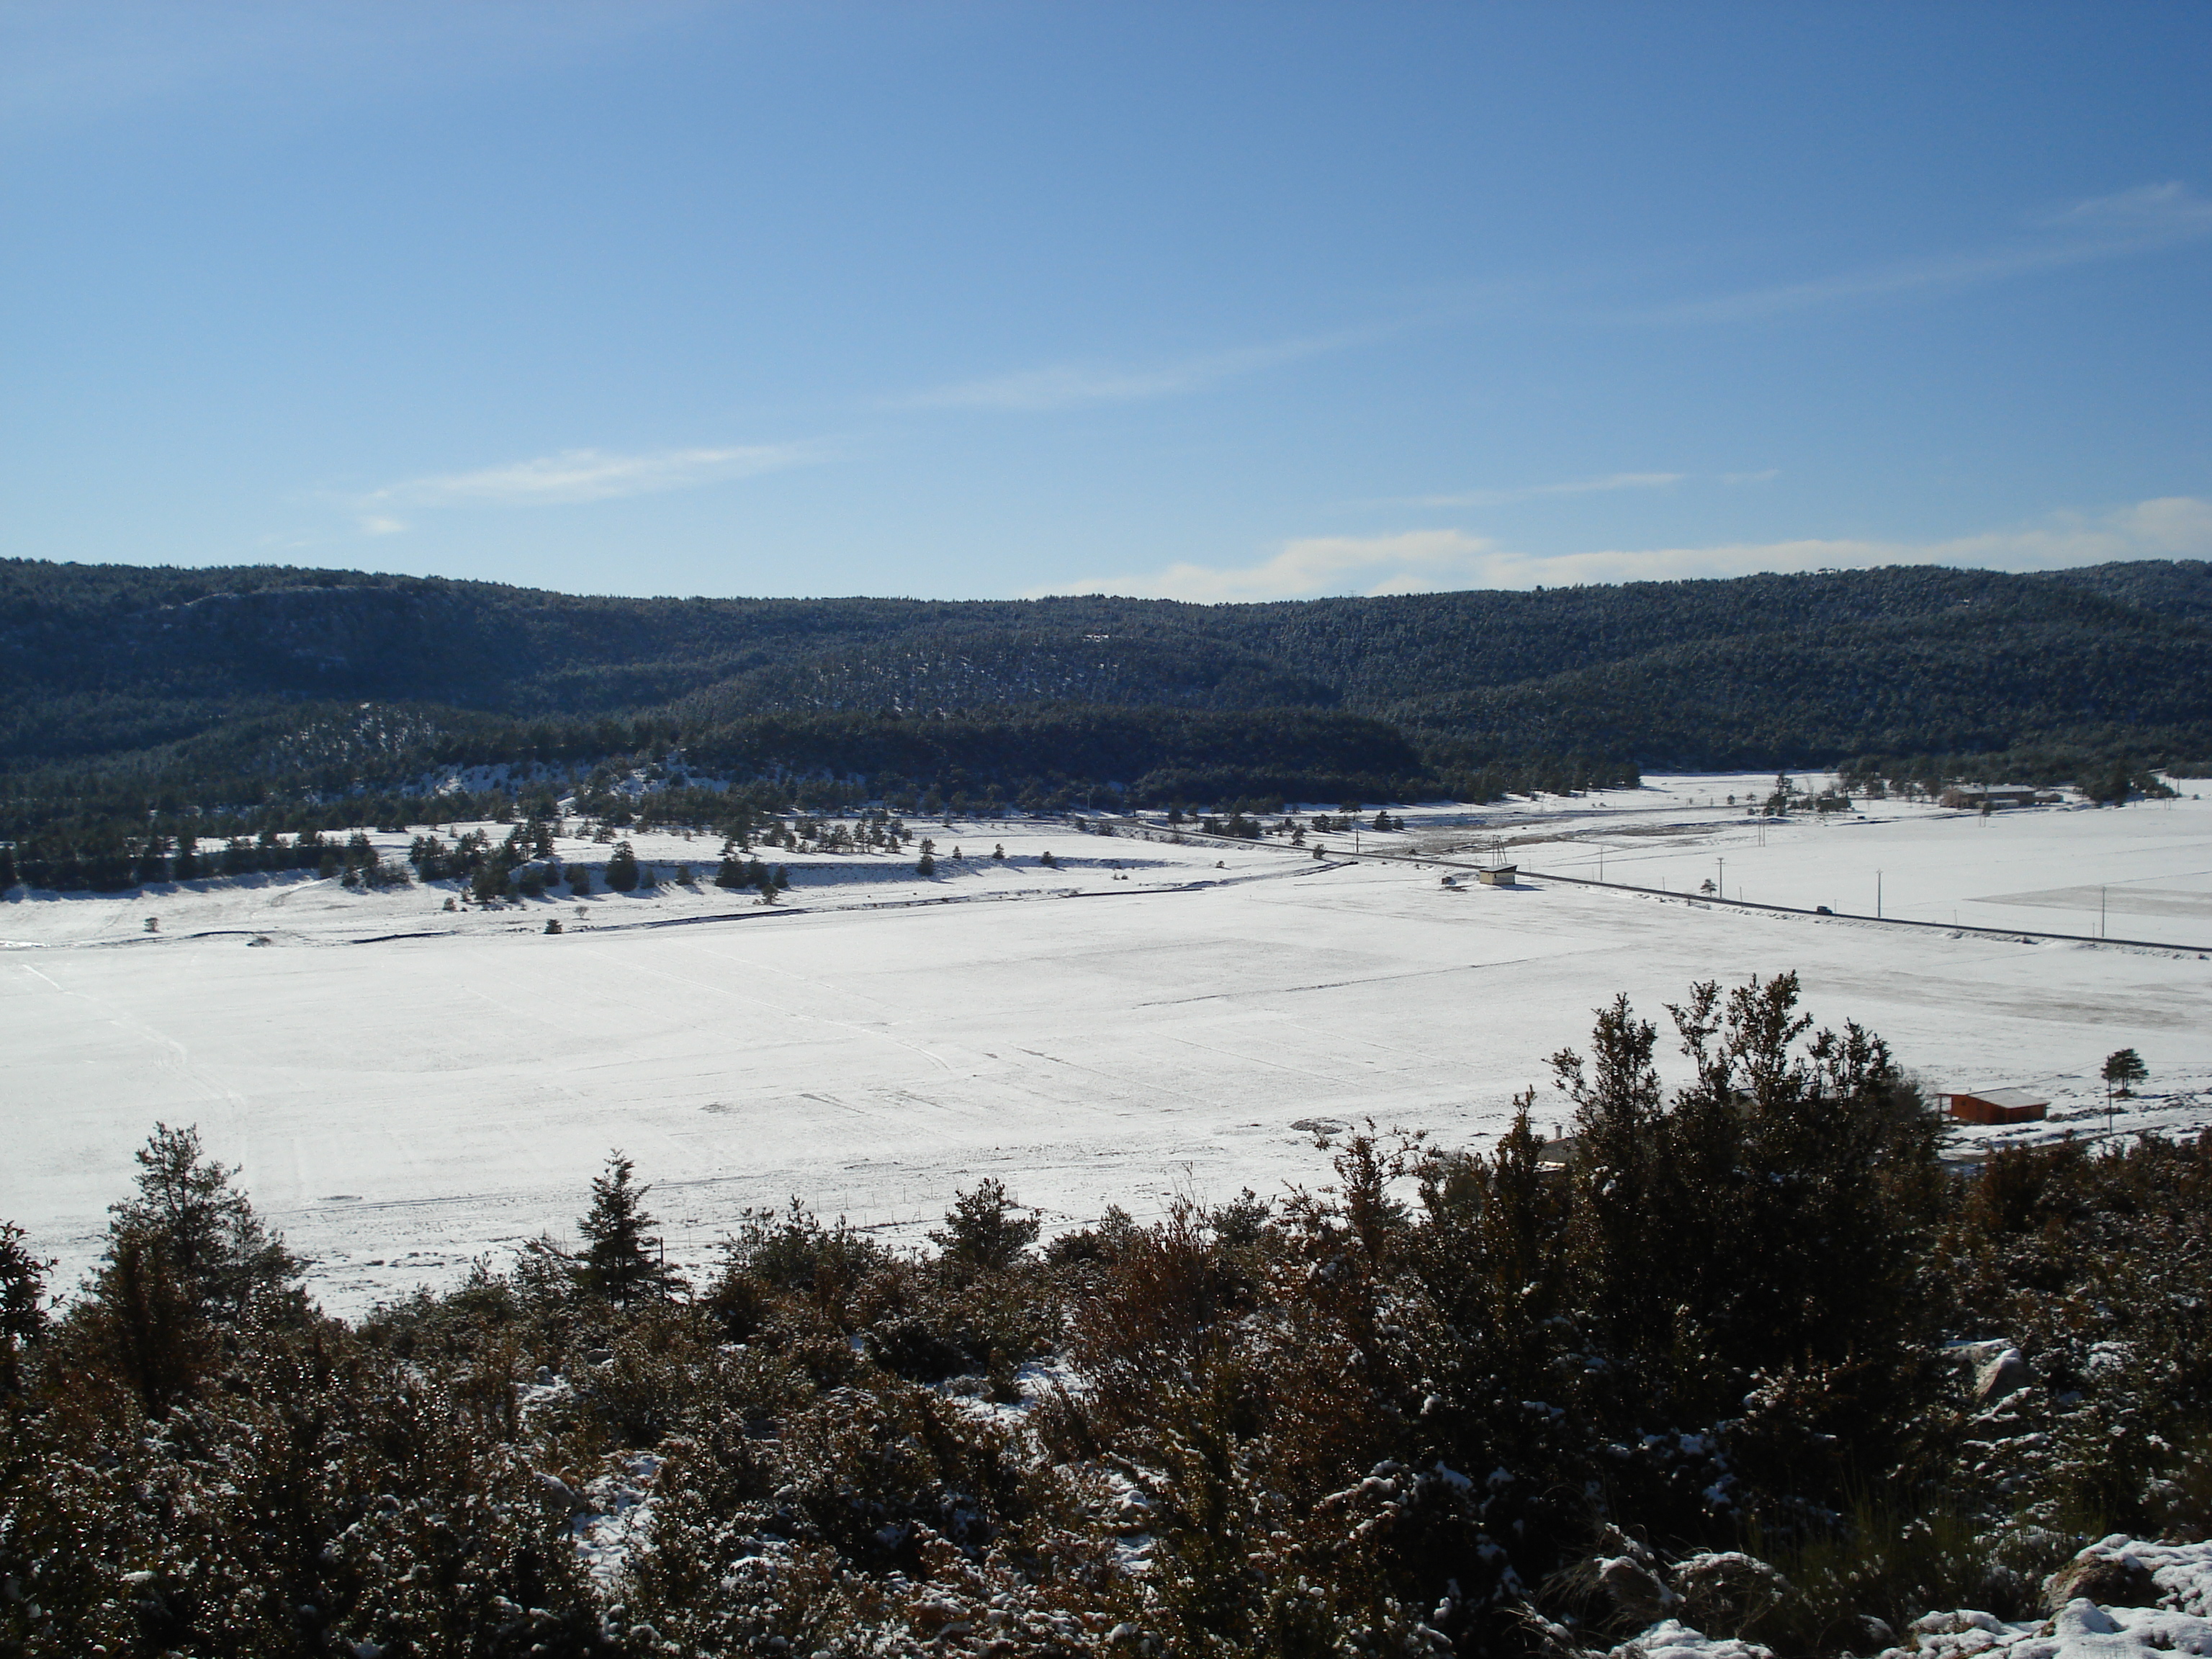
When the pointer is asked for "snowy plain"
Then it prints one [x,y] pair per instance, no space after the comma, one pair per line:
[406,1088]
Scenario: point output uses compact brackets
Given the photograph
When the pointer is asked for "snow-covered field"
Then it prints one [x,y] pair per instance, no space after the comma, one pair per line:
[2143,871]
[406,1088]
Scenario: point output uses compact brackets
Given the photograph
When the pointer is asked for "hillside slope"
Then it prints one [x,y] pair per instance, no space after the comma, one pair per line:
[98,663]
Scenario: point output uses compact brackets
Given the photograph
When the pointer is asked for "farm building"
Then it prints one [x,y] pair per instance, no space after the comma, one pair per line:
[1998,1106]
[2006,797]
[1501,876]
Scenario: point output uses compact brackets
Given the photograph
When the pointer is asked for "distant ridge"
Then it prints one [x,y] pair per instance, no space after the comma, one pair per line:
[100,663]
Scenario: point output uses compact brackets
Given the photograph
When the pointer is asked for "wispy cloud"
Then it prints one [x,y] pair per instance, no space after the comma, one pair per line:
[377,524]
[71,63]
[2148,215]
[1438,561]
[1310,566]
[1067,385]
[1535,492]
[2142,219]
[592,475]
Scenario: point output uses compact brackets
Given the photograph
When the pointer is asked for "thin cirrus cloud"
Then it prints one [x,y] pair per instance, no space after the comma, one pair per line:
[583,475]
[61,64]
[1069,385]
[1440,561]
[2143,220]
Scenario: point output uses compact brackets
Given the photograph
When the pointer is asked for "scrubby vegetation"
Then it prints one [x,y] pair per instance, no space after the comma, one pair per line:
[1743,1351]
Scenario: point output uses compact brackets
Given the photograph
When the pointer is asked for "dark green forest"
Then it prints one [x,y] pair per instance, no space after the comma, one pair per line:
[1746,1353]
[128,691]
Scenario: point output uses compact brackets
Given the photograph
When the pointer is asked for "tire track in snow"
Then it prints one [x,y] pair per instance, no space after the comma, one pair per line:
[878,1032]
[179,1057]
[1338,984]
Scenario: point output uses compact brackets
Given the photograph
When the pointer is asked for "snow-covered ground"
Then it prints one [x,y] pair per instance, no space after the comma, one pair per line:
[407,1087]
[2143,871]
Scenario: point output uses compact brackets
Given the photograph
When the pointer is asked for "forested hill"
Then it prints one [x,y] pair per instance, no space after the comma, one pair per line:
[101,662]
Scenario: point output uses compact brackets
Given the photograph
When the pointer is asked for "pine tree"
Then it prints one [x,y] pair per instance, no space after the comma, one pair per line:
[148,1321]
[23,1303]
[985,1229]
[202,1226]
[2123,1069]
[620,1262]
[622,869]
[488,881]
[1805,1151]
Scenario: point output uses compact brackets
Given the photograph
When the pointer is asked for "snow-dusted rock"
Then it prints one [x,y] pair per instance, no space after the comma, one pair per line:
[1726,1585]
[2111,1577]
[1635,1589]
[2181,1623]
[2004,1373]
[1673,1640]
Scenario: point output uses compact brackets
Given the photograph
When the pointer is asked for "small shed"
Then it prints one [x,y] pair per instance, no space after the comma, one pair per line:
[1501,876]
[1956,798]
[1998,1106]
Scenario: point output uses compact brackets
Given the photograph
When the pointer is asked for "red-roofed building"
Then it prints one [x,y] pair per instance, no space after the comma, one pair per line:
[1998,1106]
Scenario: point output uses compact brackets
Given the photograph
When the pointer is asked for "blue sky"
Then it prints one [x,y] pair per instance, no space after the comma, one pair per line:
[1212,302]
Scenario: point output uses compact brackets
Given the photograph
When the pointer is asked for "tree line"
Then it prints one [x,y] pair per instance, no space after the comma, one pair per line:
[232,803]
[106,659]
[128,695]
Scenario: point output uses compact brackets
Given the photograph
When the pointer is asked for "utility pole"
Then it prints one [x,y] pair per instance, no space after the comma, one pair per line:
[1721,892]
[1877,896]
[2100,913]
